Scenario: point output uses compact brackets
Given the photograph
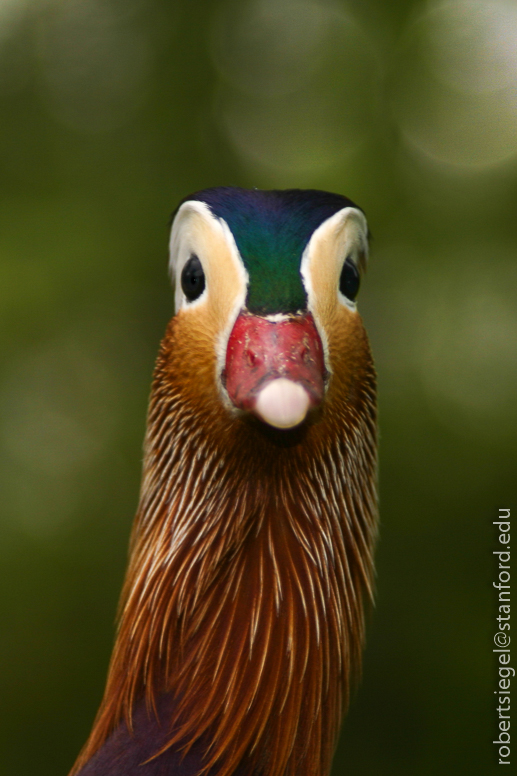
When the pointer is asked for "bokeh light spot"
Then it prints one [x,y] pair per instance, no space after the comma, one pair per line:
[455,93]
[297,83]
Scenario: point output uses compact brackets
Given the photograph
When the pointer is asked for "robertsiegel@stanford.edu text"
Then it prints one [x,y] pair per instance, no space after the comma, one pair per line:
[502,637]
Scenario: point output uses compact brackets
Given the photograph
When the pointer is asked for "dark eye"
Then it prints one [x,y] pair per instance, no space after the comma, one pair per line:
[349,280]
[193,279]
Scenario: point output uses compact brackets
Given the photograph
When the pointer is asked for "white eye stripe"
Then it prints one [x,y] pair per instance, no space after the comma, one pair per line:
[342,235]
[196,231]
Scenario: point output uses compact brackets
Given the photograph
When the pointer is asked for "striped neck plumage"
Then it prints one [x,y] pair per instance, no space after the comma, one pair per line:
[250,557]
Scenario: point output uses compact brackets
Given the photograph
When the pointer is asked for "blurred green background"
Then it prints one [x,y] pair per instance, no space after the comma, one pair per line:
[111,111]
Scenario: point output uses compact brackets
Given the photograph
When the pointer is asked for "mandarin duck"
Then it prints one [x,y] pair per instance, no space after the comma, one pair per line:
[241,618]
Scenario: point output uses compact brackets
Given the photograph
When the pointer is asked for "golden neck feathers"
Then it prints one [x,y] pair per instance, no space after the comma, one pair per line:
[250,557]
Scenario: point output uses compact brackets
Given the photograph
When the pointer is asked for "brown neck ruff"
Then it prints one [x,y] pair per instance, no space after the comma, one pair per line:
[250,557]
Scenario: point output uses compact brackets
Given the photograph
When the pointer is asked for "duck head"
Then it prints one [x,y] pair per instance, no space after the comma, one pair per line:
[271,278]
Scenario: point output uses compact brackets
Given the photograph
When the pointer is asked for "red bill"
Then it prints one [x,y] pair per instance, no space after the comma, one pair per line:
[275,368]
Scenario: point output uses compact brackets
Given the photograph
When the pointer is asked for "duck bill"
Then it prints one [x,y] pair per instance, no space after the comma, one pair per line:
[275,369]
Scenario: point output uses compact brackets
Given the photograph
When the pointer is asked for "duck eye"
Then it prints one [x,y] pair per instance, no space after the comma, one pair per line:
[193,279]
[349,280]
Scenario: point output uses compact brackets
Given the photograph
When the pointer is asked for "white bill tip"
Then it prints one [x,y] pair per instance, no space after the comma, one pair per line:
[282,403]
